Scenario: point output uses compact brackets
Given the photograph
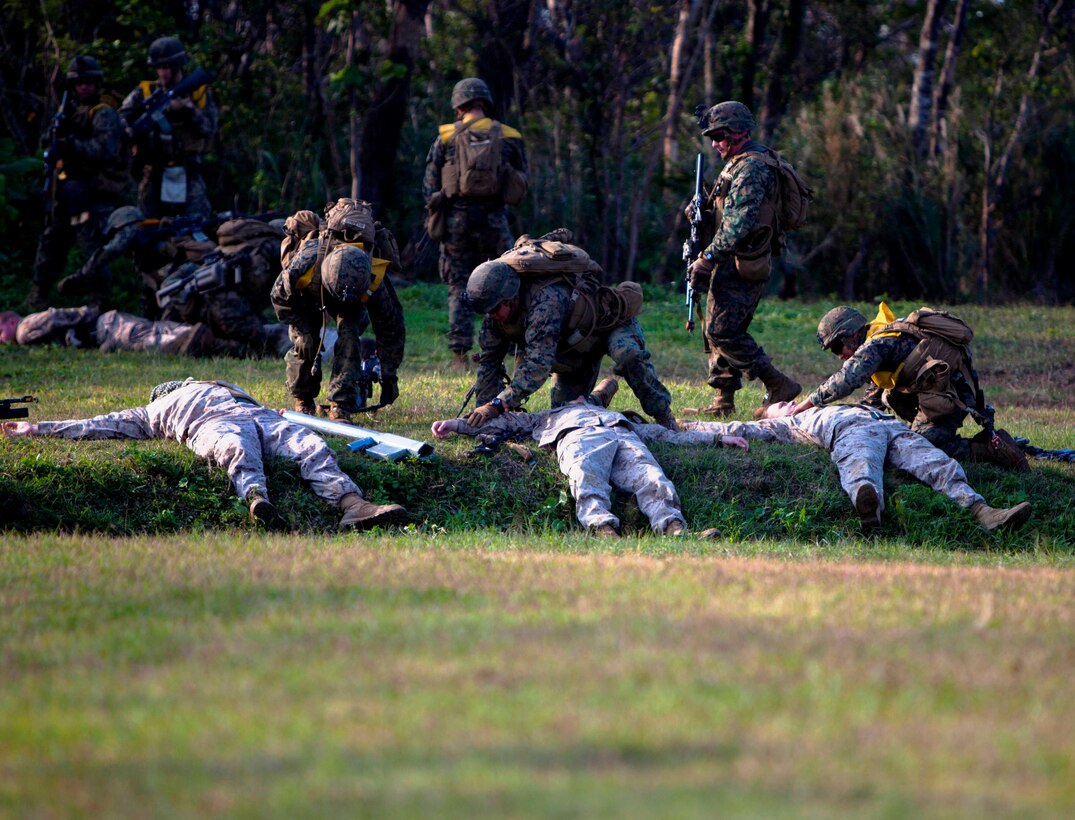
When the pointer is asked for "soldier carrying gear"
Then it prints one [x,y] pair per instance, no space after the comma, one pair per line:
[743,214]
[922,369]
[168,154]
[543,299]
[87,176]
[476,168]
[337,268]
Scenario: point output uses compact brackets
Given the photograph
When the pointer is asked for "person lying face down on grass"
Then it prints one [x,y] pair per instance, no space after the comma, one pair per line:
[861,440]
[224,424]
[599,449]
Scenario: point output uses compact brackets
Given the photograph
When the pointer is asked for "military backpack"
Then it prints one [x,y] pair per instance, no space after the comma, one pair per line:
[475,169]
[793,194]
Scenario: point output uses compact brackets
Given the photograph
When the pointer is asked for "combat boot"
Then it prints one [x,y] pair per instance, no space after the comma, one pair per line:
[723,404]
[778,388]
[993,518]
[360,514]
[305,406]
[868,506]
[675,527]
[262,510]
[337,413]
[605,531]
[1002,451]
[460,361]
[605,390]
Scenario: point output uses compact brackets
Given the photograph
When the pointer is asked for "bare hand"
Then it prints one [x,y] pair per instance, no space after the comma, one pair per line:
[17,429]
[445,427]
[738,442]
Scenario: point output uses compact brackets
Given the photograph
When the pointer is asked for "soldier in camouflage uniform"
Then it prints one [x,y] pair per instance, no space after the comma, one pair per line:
[224,424]
[344,284]
[872,352]
[532,317]
[861,440]
[89,178]
[733,270]
[170,161]
[599,449]
[475,227]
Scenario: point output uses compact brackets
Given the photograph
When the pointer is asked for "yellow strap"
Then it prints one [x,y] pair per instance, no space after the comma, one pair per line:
[447,131]
[147,88]
[380,268]
[887,381]
[200,95]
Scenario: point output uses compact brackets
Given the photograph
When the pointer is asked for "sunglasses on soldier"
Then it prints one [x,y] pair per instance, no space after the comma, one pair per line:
[718,134]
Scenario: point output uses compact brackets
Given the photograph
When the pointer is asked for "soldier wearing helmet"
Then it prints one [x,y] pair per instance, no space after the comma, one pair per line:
[537,317]
[733,269]
[475,169]
[168,159]
[338,269]
[88,178]
[916,371]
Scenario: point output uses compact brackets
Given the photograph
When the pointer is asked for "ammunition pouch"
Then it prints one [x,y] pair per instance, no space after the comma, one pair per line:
[513,185]
[753,255]
[437,217]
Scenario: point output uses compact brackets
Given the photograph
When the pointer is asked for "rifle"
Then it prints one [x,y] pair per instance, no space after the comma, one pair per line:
[385,446]
[9,412]
[218,270]
[149,115]
[690,245]
[369,373]
[53,160]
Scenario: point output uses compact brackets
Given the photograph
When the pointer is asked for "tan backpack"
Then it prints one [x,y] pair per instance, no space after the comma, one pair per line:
[475,169]
[793,194]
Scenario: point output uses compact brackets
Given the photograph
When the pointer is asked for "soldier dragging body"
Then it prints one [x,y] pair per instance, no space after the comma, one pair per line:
[475,169]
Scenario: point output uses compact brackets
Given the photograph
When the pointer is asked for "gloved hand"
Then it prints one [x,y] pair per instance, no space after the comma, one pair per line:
[700,272]
[389,389]
[487,412]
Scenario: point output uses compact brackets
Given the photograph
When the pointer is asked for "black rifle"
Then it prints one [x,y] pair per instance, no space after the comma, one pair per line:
[9,412]
[690,245]
[149,115]
[218,270]
[369,374]
[53,160]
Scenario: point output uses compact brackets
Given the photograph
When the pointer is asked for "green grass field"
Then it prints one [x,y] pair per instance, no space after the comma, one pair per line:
[160,656]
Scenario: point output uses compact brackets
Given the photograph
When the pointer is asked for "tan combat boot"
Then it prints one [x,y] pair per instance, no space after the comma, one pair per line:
[337,413]
[305,406]
[1005,453]
[868,506]
[604,391]
[360,514]
[675,528]
[723,404]
[993,518]
[606,531]
[667,420]
[460,361]
[262,510]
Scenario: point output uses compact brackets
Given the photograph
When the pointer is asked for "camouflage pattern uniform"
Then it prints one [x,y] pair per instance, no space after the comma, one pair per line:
[123,331]
[731,300]
[599,449]
[300,308]
[539,330]
[85,192]
[477,228]
[193,129]
[222,424]
[69,327]
[885,354]
[861,441]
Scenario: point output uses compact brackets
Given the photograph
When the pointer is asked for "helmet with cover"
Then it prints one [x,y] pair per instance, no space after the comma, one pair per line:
[731,116]
[121,218]
[84,68]
[346,273]
[839,323]
[469,90]
[490,284]
[165,51]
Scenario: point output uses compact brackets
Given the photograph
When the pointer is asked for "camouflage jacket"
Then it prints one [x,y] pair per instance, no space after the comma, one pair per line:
[300,307]
[881,353]
[193,127]
[91,148]
[538,330]
[751,183]
[512,152]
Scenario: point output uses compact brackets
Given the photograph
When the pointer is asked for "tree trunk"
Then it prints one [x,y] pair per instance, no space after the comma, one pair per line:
[918,119]
[948,74]
[352,111]
[784,57]
[688,15]
[757,23]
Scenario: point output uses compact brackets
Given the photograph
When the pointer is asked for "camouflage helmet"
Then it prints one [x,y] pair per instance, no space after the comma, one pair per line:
[84,68]
[164,388]
[839,322]
[470,89]
[490,284]
[121,218]
[729,115]
[346,273]
[167,51]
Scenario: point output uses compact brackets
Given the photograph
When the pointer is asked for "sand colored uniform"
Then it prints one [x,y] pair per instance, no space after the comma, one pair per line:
[860,440]
[221,423]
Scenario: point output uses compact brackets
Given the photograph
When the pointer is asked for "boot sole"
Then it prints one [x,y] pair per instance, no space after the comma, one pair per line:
[868,506]
[386,518]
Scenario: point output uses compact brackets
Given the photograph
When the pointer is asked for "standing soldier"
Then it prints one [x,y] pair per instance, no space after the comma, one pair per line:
[86,178]
[168,151]
[733,270]
[475,168]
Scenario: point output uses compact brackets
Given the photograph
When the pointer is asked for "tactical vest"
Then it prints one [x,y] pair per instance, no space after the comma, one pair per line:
[184,139]
[754,251]
[108,177]
[473,164]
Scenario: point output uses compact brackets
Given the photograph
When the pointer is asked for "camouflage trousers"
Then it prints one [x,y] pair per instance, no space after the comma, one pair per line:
[57,239]
[596,459]
[730,305]
[941,431]
[302,380]
[239,441]
[122,331]
[476,234]
[149,195]
[576,375]
[861,449]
